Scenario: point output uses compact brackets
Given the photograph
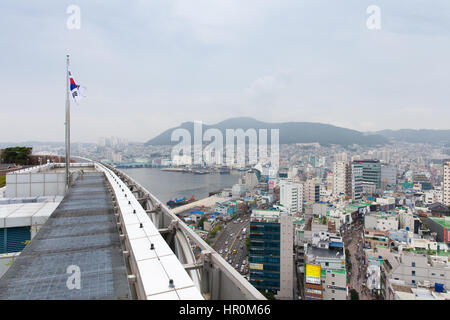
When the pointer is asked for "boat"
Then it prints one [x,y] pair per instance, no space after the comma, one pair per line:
[179,202]
[199,172]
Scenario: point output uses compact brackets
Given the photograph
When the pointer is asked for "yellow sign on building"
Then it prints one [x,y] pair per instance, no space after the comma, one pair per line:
[256,266]
[313,273]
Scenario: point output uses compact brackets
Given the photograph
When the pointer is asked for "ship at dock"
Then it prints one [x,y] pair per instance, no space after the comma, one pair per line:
[179,202]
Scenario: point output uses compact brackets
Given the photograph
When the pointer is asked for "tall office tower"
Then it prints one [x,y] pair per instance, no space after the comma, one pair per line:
[354,181]
[388,176]
[339,171]
[311,191]
[446,189]
[291,196]
[371,171]
[271,252]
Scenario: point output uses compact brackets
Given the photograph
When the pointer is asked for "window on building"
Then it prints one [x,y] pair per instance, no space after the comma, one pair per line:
[413,273]
[413,264]
[413,281]
[332,283]
[332,291]
[333,275]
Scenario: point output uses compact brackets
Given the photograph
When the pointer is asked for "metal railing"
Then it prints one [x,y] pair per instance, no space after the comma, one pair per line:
[216,278]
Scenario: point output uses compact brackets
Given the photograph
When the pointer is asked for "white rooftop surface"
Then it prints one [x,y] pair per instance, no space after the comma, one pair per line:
[207,202]
[25,214]
[156,267]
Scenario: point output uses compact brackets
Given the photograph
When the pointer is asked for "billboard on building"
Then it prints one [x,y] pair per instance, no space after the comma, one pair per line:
[256,266]
[313,273]
[271,184]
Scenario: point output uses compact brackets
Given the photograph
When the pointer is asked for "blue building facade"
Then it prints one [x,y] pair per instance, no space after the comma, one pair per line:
[264,255]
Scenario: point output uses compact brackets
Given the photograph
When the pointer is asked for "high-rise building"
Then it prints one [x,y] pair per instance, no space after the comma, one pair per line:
[388,176]
[291,196]
[354,181]
[311,191]
[271,252]
[339,176]
[446,189]
[371,171]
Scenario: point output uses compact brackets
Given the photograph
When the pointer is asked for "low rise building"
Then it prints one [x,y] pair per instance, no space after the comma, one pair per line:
[382,221]
[412,267]
[325,271]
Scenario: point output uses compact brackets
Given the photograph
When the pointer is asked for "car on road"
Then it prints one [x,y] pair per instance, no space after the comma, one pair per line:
[221,251]
[237,266]
[226,249]
[226,242]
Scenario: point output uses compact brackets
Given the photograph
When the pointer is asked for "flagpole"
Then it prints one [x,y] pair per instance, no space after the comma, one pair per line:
[67,128]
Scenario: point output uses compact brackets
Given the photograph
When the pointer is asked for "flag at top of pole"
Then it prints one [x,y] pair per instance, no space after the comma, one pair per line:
[76,90]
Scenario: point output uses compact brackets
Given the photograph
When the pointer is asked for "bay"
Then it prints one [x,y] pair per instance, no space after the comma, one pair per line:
[167,185]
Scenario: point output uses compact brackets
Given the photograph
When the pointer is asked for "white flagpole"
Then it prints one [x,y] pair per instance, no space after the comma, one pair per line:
[67,128]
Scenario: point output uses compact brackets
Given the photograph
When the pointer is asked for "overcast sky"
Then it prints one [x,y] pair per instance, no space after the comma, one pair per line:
[150,65]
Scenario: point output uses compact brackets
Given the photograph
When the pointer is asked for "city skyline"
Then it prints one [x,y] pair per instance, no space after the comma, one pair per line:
[151,66]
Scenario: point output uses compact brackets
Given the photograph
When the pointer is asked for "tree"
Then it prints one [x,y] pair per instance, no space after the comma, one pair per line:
[201,222]
[17,155]
[247,243]
[269,295]
[354,295]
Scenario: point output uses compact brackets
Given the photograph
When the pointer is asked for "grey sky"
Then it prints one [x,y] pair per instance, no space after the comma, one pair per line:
[150,65]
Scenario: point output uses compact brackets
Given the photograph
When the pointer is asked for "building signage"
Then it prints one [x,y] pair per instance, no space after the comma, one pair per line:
[256,266]
[336,288]
[313,291]
[313,273]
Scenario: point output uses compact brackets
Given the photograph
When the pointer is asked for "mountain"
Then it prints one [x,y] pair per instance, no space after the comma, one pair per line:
[290,132]
[417,136]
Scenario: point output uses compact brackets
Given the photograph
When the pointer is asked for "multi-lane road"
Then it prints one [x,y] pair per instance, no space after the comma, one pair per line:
[232,238]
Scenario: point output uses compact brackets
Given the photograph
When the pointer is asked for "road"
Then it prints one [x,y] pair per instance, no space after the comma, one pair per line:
[231,238]
[353,242]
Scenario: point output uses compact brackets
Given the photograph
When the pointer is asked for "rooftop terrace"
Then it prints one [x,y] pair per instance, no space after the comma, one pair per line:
[82,231]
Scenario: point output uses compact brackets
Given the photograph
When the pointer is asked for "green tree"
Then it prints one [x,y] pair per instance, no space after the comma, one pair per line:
[354,295]
[268,294]
[201,222]
[247,243]
[17,155]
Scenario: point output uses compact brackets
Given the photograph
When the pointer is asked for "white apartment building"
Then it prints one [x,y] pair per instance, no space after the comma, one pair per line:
[446,189]
[291,196]
[411,268]
[339,177]
[433,196]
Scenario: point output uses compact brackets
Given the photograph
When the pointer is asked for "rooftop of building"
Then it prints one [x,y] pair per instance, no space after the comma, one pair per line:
[445,222]
[335,253]
[405,292]
[81,232]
